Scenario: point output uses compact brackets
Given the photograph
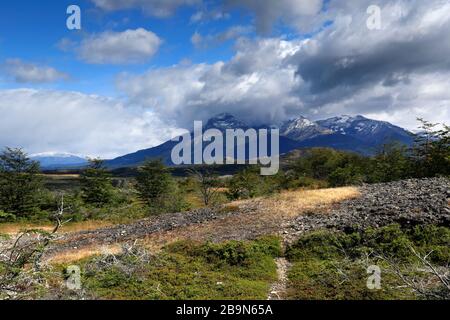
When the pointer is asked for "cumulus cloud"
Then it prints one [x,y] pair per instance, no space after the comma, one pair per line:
[301,14]
[127,47]
[255,85]
[205,41]
[61,121]
[413,39]
[396,74]
[25,72]
[157,8]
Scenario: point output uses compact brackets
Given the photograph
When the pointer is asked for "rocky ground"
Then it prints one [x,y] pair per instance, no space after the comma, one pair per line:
[408,202]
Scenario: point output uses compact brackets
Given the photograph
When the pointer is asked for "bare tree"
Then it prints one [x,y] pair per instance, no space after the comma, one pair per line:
[207,182]
[27,249]
[435,286]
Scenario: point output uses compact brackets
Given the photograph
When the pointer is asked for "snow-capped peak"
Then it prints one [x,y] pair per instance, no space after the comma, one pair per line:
[52,154]
[225,121]
[301,129]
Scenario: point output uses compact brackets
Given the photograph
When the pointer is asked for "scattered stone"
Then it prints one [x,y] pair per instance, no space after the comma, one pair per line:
[408,202]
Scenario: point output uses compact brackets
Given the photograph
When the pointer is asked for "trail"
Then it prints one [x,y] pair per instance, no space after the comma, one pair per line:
[278,289]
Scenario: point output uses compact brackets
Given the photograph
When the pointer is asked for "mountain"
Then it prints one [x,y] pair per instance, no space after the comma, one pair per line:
[302,129]
[162,152]
[50,160]
[356,134]
[225,121]
[373,133]
[221,122]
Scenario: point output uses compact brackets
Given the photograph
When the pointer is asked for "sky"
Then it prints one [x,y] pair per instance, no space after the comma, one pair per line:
[139,71]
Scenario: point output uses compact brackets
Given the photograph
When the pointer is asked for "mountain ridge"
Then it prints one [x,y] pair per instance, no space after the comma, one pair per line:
[348,133]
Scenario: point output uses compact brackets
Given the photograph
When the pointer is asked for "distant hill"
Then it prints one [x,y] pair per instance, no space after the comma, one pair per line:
[49,161]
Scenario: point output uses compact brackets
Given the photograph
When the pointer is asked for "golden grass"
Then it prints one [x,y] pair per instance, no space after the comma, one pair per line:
[61,176]
[272,212]
[15,228]
[291,203]
[87,252]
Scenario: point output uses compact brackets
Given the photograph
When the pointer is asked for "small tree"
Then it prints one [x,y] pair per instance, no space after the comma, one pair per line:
[245,184]
[19,183]
[27,250]
[96,184]
[391,163]
[154,184]
[207,183]
[432,150]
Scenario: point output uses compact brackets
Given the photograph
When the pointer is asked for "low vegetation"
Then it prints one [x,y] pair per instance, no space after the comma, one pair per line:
[329,265]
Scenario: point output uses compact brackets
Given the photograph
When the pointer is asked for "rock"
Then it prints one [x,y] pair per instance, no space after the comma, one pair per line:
[409,202]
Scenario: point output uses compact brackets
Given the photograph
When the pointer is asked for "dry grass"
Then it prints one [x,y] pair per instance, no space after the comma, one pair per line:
[61,176]
[80,254]
[291,203]
[15,228]
[272,212]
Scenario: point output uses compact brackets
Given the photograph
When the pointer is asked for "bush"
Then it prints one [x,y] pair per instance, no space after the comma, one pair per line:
[158,190]
[345,176]
[332,265]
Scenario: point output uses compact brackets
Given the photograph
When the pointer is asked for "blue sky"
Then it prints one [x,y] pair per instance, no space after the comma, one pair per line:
[31,31]
[141,70]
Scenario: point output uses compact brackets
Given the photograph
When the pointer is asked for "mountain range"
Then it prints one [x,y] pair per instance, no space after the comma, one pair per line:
[348,133]
[357,134]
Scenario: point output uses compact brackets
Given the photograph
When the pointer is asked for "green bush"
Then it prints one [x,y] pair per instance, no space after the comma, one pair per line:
[187,270]
[332,265]
[345,176]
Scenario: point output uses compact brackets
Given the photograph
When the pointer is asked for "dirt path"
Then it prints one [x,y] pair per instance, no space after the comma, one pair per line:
[278,289]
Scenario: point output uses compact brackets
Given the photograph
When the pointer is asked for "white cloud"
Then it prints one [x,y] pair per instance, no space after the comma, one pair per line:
[24,72]
[157,8]
[396,74]
[209,40]
[127,47]
[42,120]
[196,39]
[255,85]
